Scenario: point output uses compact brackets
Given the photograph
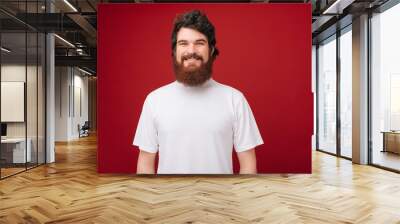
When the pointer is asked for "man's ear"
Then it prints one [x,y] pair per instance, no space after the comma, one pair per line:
[212,51]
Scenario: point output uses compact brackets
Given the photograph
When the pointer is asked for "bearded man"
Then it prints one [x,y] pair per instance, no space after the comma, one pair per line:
[195,122]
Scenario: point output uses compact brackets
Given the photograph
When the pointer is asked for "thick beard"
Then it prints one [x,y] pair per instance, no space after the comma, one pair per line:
[192,77]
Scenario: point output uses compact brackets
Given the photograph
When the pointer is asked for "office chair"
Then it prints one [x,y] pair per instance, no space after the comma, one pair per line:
[84,130]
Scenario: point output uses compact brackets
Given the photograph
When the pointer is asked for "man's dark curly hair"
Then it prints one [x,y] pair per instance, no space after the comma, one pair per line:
[196,20]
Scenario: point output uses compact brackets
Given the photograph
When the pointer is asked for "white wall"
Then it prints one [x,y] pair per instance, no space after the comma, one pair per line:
[314,91]
[71,93]
[62,78]
[16,73]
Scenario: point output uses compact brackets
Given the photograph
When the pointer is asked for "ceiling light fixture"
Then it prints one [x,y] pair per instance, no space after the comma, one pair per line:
[70,5]
[5,50]
[337,7]
[84,71]
[64,40]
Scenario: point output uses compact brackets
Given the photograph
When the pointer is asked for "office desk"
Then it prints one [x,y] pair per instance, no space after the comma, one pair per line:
[391,141]
[13,150]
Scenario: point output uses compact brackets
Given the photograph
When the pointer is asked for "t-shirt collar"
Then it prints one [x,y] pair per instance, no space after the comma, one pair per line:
[206,84]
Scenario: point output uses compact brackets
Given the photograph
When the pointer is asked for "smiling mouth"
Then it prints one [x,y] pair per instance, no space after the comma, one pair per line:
[192,59]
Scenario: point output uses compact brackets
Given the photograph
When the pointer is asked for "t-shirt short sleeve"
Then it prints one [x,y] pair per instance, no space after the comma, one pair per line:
[246,133]
[146,132]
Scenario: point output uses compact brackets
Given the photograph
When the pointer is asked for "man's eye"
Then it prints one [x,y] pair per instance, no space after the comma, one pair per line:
[182,44]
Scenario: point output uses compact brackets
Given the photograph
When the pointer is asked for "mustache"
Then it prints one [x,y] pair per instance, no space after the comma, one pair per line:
[192,55]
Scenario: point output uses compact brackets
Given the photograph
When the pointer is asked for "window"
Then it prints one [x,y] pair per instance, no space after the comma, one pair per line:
[385,88]
[346,93]
[327,95]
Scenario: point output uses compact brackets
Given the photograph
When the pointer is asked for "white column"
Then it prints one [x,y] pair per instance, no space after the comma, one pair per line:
[50,100]
[50,92]
[360,90]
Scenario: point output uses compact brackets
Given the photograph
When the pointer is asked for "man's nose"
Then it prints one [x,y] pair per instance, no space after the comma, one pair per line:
[190,49]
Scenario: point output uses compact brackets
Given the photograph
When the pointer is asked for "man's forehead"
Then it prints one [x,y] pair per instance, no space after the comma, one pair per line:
[190,34]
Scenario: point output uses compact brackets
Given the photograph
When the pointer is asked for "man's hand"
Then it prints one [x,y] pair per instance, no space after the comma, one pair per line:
[145,163]
[247,160]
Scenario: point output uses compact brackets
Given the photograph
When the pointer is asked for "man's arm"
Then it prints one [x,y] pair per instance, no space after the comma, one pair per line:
[247,160]
[145,163]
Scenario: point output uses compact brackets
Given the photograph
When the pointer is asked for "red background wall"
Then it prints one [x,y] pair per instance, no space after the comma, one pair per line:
[265,52]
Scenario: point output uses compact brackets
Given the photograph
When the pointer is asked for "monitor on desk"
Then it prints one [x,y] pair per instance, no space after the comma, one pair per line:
[3,130]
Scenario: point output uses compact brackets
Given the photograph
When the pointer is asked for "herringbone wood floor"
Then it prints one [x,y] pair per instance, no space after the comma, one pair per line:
[70,191]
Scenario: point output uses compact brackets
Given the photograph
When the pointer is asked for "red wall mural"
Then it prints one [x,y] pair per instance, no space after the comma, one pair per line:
[265,52]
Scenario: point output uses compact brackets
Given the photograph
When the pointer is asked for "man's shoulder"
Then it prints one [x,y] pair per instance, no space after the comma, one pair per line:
[230,90]
[161,91]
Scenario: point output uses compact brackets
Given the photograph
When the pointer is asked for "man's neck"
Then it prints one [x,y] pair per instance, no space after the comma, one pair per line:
[206,83]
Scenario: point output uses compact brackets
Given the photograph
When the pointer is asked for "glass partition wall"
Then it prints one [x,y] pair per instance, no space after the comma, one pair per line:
[334,93]
[22,88]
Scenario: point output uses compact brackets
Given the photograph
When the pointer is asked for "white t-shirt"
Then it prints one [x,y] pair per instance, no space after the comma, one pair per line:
[194,129]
